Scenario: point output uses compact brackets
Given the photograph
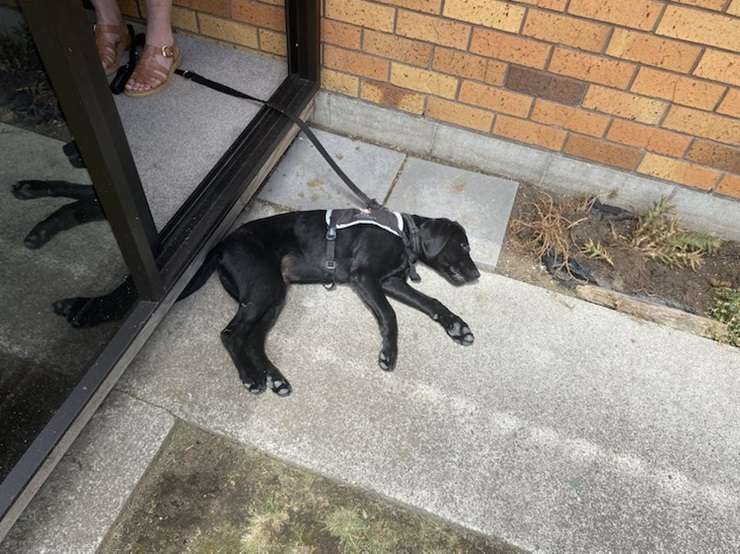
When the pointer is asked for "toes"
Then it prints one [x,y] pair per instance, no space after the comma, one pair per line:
[386,361]
[255,389]
[460,333]
[281,387]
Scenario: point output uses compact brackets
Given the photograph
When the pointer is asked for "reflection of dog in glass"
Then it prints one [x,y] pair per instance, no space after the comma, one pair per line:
[84,209]
[258,260]
[78,311]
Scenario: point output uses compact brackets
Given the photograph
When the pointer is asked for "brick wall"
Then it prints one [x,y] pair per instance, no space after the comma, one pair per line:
[249,23]
[641,85]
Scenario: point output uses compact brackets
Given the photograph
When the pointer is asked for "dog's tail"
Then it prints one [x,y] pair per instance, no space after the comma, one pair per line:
[213,258]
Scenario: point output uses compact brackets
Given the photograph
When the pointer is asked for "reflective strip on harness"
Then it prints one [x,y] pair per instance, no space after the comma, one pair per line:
[385,219]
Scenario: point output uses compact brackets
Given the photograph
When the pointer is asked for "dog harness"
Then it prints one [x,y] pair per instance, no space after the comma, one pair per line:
[394,222]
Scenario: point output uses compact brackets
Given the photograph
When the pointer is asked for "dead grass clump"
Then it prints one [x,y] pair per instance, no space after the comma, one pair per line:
[659,236]
[544,228]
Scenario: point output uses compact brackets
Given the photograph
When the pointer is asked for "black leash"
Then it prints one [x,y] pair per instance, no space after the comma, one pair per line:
[370,203]
[411,244]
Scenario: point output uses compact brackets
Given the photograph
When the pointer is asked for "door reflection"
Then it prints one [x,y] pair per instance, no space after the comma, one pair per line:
[54,244]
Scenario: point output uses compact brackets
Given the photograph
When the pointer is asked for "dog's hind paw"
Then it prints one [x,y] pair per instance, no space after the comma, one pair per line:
[36,238]
[386,361]
[254,388]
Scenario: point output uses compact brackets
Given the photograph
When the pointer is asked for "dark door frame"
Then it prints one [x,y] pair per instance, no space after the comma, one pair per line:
[160,264]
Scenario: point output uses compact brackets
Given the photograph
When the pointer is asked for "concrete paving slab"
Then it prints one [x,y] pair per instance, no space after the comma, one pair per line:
[86,491]
[566,427]
[304,181]
[176,137]
[482,204]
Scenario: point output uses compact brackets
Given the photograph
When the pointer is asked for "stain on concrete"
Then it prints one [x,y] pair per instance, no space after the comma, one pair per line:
[206,494]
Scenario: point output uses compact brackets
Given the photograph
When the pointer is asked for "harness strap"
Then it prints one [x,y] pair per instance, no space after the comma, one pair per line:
[412,245]
[331,262]
[370,203]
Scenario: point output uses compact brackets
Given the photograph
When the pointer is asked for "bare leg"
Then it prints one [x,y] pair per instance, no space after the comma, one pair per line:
[107,12]
[158,33]
[111,38]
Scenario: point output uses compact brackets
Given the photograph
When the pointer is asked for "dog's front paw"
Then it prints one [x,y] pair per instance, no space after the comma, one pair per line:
[458,330]
[387,359]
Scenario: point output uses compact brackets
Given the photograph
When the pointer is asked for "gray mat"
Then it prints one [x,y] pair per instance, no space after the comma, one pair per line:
[178,135]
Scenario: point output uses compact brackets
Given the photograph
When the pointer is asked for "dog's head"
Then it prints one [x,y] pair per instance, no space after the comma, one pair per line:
[445,248]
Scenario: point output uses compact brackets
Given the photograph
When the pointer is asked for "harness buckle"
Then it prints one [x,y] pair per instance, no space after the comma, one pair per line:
[331,233]
[331,265]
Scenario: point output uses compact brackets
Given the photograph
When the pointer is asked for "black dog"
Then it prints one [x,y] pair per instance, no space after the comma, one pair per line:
[258,260]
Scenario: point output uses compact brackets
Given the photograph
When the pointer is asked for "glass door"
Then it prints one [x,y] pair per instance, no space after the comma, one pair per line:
[98,234]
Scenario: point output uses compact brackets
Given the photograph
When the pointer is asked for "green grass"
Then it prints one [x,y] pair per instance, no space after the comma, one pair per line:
[726,310]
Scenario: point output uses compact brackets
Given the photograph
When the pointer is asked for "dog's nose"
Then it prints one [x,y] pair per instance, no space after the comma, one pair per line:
[473,273]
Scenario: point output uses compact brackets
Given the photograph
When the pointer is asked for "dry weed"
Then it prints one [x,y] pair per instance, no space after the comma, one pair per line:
[659,236]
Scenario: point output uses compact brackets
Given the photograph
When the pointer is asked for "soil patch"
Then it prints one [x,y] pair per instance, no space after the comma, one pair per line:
[27,99]
[206,494]
[602,243]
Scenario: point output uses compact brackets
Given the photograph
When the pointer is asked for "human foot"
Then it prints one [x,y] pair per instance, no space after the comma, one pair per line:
[111,40]
[153,70]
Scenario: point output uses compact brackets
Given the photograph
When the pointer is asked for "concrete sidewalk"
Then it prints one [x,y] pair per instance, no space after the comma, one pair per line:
[566,427]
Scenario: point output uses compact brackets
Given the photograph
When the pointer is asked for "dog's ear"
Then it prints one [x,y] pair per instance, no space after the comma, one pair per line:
[434,235]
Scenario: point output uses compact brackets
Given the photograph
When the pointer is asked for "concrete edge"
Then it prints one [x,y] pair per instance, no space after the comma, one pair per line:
[430,139]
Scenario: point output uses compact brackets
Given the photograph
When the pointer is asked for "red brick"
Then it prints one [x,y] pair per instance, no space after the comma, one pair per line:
[678,171]
[623,104]
[495,99]
[649,138]
[639,14]
[341,34]
[564,29]
[362,13]
[701,26]
[581,121]
[355,63]
[488,13]
[593,68]
[731,103]
[719,66]
[652,50]
[428,6]
[510,48]
[459,114]
[602,151]
[730,186]
[715,155]
[394,97]
[433,29]
[677,88]
[460,63]
[703,124]
[529,132]
[545,85]
[256,13]
[398,48]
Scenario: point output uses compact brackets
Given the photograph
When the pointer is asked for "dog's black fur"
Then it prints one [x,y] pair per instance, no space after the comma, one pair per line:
[260,259]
